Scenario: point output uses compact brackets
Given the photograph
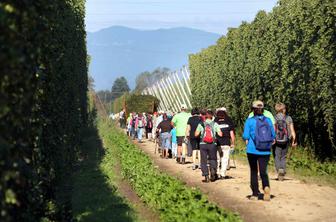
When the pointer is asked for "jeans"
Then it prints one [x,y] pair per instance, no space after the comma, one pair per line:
[223,160]
[139,132]
[208,152]
[133,132]
[262,160]
[280,154]
[165,140]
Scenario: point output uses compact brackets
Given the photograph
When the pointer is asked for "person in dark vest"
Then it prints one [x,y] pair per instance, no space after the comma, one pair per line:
[193,123]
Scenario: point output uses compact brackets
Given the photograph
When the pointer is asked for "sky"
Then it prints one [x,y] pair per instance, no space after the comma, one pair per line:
[208,15]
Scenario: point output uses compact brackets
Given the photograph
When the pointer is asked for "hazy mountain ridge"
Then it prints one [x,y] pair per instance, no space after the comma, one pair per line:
[121,51]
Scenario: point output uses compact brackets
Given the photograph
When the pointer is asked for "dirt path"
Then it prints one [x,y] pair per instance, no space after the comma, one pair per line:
[292,200]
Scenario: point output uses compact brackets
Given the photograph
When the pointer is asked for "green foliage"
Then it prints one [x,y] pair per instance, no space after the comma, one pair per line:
[287,55]
[43,106]
[136,103]
[120,86]
[173,200]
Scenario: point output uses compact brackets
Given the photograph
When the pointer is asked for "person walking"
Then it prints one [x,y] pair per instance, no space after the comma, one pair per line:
[139,126]
[164,128]
[149,127]
[226,142]
[259,135]
[192,125]
[207,132]
[285,135]
[180,122]
[122,118]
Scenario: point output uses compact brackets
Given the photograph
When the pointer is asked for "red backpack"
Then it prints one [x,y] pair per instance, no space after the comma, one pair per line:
[208,133]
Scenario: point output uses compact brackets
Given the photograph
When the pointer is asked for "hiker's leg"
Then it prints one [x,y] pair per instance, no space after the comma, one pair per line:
[263,163]
[219,158]
[283,158]
[179,146]
[212,149]
[204,160]
[253,162]
[225,159]
[194,155]
[277,157]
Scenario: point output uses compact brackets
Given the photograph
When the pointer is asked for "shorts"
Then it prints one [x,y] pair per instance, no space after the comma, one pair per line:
[195,143]
[180,140]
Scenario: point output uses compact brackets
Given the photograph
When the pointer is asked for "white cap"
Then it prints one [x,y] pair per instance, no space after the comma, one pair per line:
[183,106]
[221,109]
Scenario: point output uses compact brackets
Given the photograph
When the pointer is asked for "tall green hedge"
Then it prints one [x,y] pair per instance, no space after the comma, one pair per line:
[287,55]
[135,103]
[43,106]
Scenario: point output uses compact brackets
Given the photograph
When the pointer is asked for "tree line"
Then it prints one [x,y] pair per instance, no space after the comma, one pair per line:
[287,55]
[43,106]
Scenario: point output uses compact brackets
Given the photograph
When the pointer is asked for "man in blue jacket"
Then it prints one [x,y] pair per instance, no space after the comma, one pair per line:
[259,136]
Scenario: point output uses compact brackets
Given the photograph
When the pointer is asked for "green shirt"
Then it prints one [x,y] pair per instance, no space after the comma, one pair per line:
[180,122]
[200,128]
[267,114]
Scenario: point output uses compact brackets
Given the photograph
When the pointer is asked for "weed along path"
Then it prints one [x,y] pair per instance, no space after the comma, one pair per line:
[292,200]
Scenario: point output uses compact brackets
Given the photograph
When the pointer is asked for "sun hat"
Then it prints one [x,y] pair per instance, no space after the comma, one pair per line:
[258,104]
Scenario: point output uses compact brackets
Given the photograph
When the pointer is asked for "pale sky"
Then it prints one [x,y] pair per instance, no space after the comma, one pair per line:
[208,15]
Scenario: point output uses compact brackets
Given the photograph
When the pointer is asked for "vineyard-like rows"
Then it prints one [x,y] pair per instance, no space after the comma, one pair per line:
[43,106]
[173,200]
[287,55]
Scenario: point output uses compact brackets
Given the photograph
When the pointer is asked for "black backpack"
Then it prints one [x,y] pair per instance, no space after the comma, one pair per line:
[281,130]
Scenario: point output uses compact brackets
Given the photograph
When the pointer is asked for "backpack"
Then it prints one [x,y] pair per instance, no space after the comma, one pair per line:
[140,122]
[281,130]
[208,133]
[149,123]
[263,134]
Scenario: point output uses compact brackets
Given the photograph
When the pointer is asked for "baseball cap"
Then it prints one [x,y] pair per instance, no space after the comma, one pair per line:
[221,109]
[183,106]
[258,104]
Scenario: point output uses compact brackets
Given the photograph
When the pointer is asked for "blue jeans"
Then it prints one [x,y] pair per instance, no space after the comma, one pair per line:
[139,132]
[166,140]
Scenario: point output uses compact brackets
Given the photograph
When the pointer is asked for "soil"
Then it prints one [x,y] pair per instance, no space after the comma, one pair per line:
[292,199]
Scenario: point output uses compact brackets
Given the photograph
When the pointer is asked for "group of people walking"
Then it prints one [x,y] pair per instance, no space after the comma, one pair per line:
[209,138]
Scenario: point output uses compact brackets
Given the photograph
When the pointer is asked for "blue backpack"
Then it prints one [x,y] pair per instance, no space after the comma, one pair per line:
[263,134]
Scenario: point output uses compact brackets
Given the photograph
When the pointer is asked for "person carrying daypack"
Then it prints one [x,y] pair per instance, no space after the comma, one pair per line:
[207,132]
[140,123]
[193,123]
[149,127]
[259,135]
[285,134]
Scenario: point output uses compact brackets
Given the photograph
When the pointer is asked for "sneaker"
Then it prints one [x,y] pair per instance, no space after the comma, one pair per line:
[213,175]
[253,198]
[206,179]
[193,167]
[267,194]
[281,174]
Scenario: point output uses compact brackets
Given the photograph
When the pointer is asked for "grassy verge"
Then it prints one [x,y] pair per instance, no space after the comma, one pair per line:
[302,165]
[95,197]
[173,200]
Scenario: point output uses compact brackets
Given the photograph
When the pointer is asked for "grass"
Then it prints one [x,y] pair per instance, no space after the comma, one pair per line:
[95,196]
[301,164]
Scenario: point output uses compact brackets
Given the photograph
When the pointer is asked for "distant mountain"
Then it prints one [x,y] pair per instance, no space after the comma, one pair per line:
[120,51]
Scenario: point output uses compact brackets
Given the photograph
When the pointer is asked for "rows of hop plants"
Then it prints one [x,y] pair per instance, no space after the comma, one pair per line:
[287,55]
[43,106]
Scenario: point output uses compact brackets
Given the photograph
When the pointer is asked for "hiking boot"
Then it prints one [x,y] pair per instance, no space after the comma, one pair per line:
[177,160]
[183,160]
[281,174]
[206,179]
[267,194]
